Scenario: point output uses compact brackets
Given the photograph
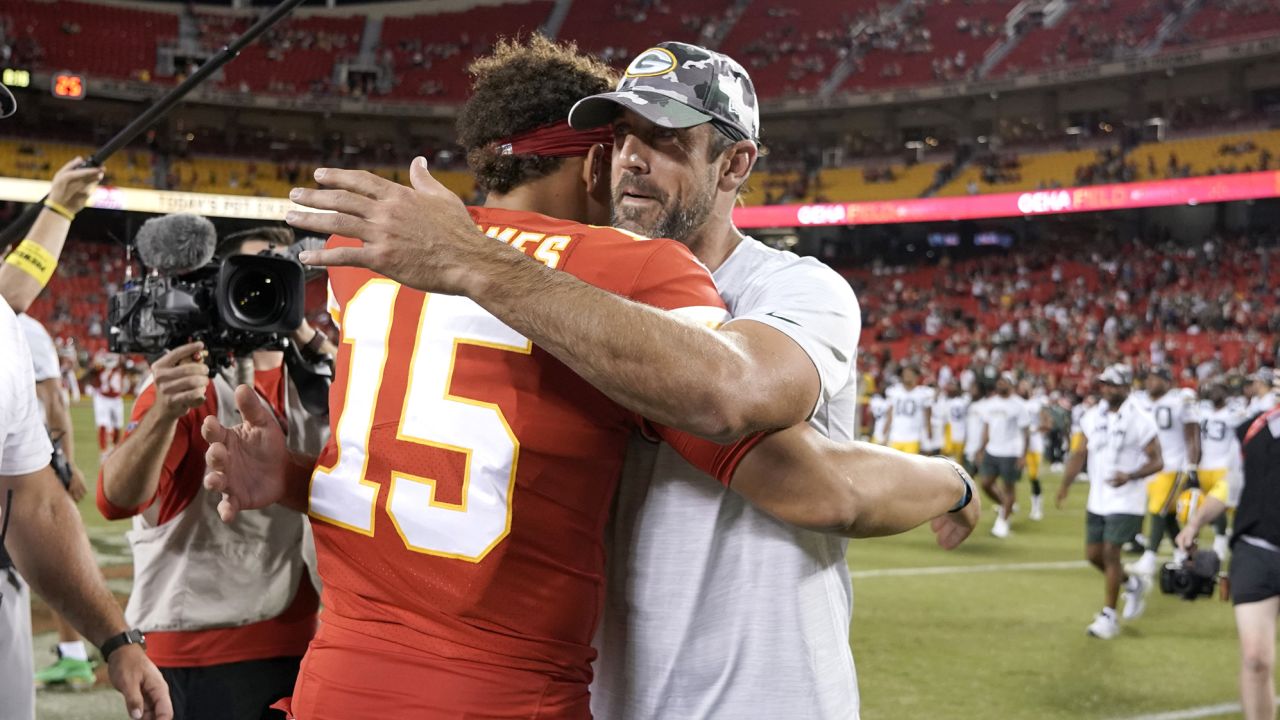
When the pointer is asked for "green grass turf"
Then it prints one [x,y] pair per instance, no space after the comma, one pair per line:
[991,645]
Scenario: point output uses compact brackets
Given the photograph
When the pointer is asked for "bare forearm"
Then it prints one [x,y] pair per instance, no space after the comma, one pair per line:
[1151,468]
[1193,445]
[52,552]
[1211,508]
[131,472]
[666,368]
[19,288]
[854,489]
[58,416]
[1075,463]
[894,491]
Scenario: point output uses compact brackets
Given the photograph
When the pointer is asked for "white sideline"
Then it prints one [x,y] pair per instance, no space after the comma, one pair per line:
[1206,711]
[966,569]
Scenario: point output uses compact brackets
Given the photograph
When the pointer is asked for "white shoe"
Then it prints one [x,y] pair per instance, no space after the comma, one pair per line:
[1135,596]
[1103,627]
[1145,566]
[1221,547]
[1001,528]
[1037,508]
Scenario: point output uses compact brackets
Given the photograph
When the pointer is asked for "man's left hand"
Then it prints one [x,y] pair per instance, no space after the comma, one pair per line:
[422,237]
[1119,479]
[951,529]
[145,692]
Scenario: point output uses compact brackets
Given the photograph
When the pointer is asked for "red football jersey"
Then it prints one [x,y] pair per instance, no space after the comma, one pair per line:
[461,500]
[110,382]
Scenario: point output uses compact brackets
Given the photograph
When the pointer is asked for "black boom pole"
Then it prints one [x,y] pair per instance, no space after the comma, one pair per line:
[161,107]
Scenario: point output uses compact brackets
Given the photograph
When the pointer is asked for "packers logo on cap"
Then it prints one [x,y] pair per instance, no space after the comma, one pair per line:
[651,62]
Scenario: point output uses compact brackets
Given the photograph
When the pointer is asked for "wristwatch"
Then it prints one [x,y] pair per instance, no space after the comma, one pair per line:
[115,642]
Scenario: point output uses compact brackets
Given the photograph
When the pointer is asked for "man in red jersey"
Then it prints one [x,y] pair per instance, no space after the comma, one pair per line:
[493,462]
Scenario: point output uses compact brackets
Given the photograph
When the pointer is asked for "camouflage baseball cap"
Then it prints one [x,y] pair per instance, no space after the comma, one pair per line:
[678,85]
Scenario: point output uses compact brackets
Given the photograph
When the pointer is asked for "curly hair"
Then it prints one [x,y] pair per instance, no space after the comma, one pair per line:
[522,85]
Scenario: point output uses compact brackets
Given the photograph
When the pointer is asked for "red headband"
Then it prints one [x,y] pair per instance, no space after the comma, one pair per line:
[555,140]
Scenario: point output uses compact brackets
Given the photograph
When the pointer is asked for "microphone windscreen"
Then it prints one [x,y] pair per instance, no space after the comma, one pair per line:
[176,244]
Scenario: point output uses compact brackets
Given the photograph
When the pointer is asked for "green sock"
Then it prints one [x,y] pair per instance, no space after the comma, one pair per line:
[1035,487]
[1155,531]
[1220,525]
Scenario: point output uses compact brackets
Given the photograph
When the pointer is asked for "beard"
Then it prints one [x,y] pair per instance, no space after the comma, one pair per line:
[674,219]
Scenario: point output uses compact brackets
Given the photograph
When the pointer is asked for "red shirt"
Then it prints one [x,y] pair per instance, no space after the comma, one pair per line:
[286,635]
[459,505]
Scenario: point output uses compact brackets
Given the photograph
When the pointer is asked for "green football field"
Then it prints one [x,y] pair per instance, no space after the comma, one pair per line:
[991,631]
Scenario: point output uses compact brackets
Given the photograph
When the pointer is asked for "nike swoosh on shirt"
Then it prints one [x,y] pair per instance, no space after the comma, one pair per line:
[783,319]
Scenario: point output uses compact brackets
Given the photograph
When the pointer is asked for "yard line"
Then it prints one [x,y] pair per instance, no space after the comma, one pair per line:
[1206,711]
[966,569]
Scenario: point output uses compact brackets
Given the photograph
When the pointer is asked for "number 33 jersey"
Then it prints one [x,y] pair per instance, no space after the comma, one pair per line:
[460,503]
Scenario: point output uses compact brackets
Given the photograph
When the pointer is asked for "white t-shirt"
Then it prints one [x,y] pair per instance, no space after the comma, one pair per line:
[974,423]
[713,609]
[44,354]
[1006,419]
[1172,411]
[1035,404]
[955,412]
[907,424]
[1117,442]
[879,413]
[24,444]
[1218,442]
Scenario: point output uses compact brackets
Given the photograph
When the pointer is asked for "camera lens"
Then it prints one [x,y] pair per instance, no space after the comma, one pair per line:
[255,296]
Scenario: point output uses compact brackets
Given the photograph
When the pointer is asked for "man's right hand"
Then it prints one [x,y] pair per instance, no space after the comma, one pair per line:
[245,463]
[72,184]
[181,380]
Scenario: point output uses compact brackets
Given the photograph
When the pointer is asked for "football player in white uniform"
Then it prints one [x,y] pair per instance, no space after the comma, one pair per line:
[1218,448]
[910,412]
[1177,421]
[955,415]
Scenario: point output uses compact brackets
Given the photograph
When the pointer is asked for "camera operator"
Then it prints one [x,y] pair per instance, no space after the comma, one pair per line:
[229,609]
[1255,558]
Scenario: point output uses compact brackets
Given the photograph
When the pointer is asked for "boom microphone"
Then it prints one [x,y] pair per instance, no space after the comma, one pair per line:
[176,244]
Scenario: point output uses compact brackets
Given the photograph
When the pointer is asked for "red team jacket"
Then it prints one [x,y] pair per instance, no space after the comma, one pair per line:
[460,503]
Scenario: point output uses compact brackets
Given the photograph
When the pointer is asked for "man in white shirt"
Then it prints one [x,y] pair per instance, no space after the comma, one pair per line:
[975,423]
[1178,427]
[1122,449]
[1002,452]
[1038,413]
[72,668]
[50,548]
[910,412]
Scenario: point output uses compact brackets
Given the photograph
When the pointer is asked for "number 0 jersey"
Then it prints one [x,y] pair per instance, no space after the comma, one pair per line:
[460,504]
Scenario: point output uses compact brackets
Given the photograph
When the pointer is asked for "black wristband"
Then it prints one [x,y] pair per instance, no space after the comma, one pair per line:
[115,642]
[964,478]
